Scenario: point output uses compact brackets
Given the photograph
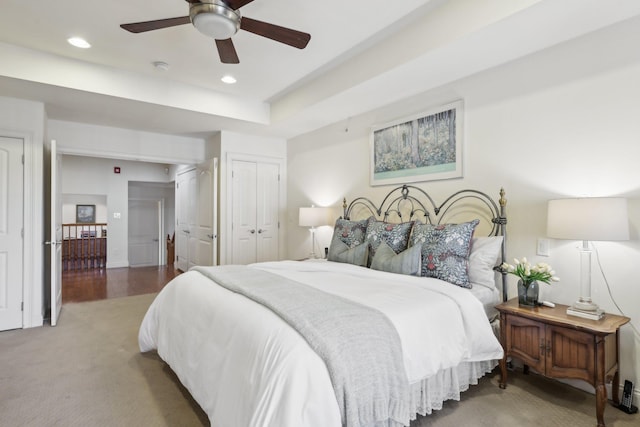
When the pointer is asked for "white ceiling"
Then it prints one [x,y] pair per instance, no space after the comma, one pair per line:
[363,54]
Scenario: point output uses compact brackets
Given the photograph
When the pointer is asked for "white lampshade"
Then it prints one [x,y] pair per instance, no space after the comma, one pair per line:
[314,217]
[596,218]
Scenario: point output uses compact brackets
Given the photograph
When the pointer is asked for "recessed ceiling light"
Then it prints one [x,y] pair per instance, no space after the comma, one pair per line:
[79,42]
[161,65]
[228,79]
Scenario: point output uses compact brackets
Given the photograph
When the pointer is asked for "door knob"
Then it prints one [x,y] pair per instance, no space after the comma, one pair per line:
[260,231]
[252,231]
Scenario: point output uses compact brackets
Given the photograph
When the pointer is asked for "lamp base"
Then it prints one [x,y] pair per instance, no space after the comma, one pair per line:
[586,314]
[585,304]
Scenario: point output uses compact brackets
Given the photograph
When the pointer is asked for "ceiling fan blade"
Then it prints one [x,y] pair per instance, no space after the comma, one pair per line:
[227,52]
[274,32]
[237,4]
[141,27]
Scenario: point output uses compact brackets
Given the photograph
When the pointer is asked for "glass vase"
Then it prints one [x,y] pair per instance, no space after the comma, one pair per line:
[528,293]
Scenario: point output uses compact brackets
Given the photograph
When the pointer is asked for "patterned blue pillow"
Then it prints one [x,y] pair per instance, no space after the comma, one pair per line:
[445,250]
[351,233]
[396,236]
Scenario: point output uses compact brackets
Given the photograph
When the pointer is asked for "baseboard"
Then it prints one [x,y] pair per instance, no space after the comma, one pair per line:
[121,264]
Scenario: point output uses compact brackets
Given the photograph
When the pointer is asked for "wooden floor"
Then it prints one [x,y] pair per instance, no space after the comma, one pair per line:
[97,284]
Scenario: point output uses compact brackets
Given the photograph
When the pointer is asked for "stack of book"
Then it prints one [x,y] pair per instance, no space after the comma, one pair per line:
[586,314]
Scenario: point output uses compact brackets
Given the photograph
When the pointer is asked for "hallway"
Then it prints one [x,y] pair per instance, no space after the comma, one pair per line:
[98,284]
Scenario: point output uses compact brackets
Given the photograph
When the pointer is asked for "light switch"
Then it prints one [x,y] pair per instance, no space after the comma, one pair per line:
[543,247]
[116,215]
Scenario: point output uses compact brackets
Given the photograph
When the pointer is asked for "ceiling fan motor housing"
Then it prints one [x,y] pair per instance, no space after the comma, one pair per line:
[215,19]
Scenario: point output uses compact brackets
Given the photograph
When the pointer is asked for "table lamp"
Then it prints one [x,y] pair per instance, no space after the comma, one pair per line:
[587,219]
[313,217]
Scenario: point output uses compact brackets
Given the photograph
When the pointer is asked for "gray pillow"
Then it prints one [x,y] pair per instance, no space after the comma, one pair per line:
[340,252]
[406,262]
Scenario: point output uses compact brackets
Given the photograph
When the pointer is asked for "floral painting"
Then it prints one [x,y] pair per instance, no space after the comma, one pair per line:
[424,147]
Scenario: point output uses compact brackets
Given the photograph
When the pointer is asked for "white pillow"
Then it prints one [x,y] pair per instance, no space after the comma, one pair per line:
[485,252]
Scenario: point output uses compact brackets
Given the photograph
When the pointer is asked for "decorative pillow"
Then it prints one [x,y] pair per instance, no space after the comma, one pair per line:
[485,252]
[350,233]
[340,252]
[394,235]
[445,250]
[406,262]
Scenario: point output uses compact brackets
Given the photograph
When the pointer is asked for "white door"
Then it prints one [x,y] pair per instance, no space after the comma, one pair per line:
[192,218]
[268,183]
[206,228]
[186,186]
[243,226]
[11,249]
[144,232]
[55,242]
[255,211]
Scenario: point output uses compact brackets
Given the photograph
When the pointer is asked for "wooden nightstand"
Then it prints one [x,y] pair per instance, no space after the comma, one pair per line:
[556,345]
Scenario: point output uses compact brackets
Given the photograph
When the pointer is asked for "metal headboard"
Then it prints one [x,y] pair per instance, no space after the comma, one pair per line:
[409,203]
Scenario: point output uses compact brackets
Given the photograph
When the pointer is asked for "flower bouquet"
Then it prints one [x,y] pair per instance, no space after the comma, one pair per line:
[529,276]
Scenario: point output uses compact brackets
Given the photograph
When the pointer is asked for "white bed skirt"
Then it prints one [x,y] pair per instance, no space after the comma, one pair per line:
[429,394]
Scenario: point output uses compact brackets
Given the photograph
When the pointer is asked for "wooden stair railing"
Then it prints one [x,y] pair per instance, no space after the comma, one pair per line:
[84,246]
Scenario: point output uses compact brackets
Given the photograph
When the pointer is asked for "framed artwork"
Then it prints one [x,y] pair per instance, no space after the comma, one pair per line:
[85,214]
[424,147]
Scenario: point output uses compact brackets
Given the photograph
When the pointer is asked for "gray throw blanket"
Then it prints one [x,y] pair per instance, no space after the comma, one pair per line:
[359,345]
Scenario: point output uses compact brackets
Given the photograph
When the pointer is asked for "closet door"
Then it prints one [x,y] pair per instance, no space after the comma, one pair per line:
[243,225]
[268,183]
[11,224]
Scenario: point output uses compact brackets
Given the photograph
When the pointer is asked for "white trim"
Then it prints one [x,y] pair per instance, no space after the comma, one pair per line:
[121,264]
[124,156]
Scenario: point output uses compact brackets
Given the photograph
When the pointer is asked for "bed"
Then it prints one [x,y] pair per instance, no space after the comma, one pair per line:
[250,356]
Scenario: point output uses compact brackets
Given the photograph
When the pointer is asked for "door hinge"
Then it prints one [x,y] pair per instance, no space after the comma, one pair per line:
[278,224]
[22,233]
[23,159]
[22,306]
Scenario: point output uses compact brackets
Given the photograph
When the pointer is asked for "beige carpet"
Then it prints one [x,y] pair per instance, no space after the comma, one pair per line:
[88,371]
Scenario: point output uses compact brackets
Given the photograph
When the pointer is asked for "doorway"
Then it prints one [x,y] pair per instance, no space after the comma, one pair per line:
[151,213]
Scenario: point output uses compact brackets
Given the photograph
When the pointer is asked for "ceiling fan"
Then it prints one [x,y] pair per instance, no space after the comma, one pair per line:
[221,19]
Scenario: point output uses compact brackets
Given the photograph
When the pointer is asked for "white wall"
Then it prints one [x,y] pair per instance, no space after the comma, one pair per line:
[26,120]
[69,202]
[95,176]
[560,123]
[116,143]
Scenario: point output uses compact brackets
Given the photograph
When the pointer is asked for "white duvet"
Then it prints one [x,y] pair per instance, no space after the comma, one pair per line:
[246,367]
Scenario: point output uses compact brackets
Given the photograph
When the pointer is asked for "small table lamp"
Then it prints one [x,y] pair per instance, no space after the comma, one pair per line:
[597,218]
[313,217]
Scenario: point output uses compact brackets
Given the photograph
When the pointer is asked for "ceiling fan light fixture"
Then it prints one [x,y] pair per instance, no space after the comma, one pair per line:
[215,19]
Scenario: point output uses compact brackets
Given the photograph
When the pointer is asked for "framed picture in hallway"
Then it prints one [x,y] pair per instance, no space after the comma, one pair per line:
[85,214]
[423,147]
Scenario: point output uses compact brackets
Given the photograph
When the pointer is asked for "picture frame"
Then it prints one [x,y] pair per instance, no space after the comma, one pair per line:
[85,214]
[422,147]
